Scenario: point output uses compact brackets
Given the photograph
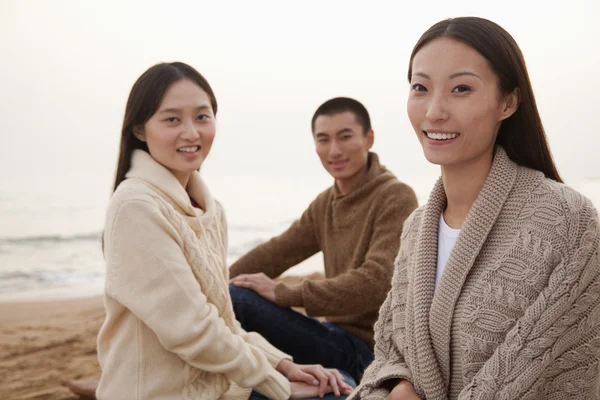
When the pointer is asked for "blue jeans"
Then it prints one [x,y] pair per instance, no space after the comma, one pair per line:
[330,396]
[307,340]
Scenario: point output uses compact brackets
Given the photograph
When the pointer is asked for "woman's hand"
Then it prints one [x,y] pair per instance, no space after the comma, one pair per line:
[302,390]
[324,379]
[404,390]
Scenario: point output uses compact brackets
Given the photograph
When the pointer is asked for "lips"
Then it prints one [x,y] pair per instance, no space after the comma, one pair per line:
[441,136]
[188,149]
[339,164]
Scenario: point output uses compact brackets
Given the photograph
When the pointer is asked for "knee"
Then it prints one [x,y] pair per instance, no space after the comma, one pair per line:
[242,295]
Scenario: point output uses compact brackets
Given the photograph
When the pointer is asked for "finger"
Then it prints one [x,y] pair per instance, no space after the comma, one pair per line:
[333,382]
[306,377]
[341,381]
[324,380]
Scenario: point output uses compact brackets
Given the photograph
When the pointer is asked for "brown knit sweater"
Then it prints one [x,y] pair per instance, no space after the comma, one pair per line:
[516,314]
[358,233]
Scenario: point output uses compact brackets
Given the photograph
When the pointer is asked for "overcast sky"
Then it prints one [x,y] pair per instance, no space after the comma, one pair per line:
[66,68]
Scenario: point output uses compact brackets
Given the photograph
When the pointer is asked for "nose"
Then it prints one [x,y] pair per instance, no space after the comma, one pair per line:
[190,131]
[436,109]
[336,149]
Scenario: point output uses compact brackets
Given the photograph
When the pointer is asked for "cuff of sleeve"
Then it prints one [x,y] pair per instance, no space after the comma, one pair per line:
[371,386]
[390,371]
[288,295]
[373,394]
[275,387]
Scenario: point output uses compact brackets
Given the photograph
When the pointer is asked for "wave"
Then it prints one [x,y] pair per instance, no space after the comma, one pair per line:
[96,236]
[86,237]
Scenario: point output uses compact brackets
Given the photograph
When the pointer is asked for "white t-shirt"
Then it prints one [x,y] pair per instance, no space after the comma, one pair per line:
[446,239]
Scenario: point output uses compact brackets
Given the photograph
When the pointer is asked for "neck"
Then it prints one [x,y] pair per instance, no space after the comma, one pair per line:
[349,184]
[462,184]
[182,177]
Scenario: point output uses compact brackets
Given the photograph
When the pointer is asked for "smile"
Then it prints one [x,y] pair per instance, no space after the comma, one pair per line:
[189,149]
[441,135]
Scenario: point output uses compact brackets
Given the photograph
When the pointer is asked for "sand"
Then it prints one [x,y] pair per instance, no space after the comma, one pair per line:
[44,342]
[51,336]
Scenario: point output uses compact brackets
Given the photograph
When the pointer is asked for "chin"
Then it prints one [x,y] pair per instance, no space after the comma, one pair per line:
[436,159]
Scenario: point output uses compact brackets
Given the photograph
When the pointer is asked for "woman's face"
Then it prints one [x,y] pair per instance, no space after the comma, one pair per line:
[455,105]
[180,133]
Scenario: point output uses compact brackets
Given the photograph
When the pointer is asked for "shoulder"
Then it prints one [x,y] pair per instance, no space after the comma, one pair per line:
[560,201]
[563,214]
[134,197]
[322,200]
[413,222]
[393,188]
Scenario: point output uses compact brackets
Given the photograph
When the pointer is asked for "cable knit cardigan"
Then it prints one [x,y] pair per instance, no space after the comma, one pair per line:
[170,331]
[517,312]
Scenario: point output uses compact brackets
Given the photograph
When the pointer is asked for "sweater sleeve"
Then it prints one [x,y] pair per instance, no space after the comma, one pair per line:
[280,253]
[363,289]
[388,364]
[553,351]
[148,274]
[273,354]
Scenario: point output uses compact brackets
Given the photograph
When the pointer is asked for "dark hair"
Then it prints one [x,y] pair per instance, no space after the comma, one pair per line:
[522,134]
[145,98]
[339,105]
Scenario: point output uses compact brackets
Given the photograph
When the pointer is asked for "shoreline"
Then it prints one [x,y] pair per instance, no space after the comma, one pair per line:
[311,265]
[49,335]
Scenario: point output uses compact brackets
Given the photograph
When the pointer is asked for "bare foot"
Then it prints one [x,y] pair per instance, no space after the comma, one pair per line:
[84,389]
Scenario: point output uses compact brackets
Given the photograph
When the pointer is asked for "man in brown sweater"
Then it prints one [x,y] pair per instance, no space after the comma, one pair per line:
[356,223]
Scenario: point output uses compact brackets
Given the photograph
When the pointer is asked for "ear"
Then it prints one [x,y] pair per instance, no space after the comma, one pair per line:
[139,133]
[510,104]
[370,138]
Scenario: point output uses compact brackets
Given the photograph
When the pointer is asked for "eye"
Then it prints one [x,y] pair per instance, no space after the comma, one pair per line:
[461,89]
[203,117]
[417,87]
[171,119]
[346,137]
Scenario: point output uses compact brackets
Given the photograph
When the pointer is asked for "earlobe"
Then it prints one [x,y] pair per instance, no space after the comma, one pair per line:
[370,138]
[138,132]
[511,104]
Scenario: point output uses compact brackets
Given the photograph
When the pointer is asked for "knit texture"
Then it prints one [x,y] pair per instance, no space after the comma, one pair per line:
[517,312]
[358,233]
[170,330]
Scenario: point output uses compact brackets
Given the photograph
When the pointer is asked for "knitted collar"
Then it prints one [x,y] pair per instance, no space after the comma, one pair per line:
[434,309]
[146,168]
[375,169]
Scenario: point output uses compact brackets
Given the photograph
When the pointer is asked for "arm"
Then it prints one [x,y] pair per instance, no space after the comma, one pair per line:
[274,355]
[282,252]
[363,289]
[553,351]
[388,366]
[147,273]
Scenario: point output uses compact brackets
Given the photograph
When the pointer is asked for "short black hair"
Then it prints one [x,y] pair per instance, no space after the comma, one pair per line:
[340,105]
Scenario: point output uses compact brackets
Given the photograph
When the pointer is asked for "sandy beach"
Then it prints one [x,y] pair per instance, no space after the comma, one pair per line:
[45,341]
[50,335]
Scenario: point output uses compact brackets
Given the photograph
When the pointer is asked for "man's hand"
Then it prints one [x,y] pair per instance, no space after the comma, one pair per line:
[260,283]
[404,390]
[325,380]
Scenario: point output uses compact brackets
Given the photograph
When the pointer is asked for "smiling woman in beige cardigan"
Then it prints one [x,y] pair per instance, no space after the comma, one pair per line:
[170,331]
[496,289]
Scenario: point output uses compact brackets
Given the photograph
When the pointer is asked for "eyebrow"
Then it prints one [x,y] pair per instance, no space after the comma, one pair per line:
[464,73]
[175,110]
[344,130]
[454,75]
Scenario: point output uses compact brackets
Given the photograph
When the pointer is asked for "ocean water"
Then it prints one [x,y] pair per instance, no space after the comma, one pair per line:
[50,228]
[50,234]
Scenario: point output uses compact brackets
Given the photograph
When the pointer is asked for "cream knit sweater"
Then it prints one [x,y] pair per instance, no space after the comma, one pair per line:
[516,314]
[170,331]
